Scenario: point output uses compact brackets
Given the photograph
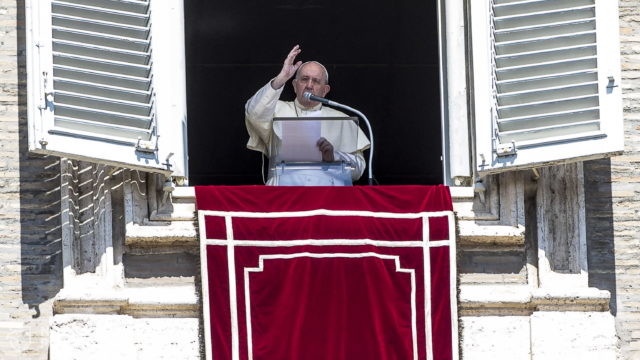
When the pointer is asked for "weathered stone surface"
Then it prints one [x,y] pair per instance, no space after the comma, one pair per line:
[30,262]
[472,233]
[123,337]
[168,301]
[612,194]
[573,335]
[510,300]
[495,337]
[178,231]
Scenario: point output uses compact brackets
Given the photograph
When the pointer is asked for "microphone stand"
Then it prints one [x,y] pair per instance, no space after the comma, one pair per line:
[366,121]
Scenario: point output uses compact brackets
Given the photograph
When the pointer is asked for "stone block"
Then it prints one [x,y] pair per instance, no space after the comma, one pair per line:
[495,337]
[573,335]
[78,336]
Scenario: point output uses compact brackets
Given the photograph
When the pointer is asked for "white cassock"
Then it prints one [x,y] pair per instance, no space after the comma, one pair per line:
[348,140]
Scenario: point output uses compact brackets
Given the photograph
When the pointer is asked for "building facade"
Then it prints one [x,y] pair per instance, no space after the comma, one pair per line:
[98,257]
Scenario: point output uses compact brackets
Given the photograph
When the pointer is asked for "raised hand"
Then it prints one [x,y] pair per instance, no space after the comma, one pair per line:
[289,68]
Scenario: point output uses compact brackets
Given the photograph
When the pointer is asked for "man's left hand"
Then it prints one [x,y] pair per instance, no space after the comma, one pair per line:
[326,149]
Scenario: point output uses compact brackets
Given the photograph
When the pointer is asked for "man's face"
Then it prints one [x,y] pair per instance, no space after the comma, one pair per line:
[311,79]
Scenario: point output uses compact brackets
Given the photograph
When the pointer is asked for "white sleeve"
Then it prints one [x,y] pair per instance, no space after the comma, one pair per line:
[356,159]
[259,112]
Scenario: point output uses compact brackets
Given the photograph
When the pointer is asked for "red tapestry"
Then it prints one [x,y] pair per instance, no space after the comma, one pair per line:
[328,272]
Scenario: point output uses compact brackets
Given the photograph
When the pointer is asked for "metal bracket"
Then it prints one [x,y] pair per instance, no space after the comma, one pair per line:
[167,163]
[47,99]
[507,149]
[612,82]
[536,174]
[167,190]
[149,147]
[480,189]
[47,102]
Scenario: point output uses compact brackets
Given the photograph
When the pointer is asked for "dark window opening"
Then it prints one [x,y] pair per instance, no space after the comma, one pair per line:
[382,58]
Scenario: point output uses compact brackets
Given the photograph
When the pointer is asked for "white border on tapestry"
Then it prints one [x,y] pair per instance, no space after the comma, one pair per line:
[260,268]
[453,287]
[233,296]
[204,274]
[283,214]
[426,274]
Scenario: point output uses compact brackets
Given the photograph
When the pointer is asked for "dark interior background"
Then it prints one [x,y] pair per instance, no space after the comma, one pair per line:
[382,58]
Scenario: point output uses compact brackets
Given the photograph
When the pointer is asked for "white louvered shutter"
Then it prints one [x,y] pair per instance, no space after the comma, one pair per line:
[546,82]
[106,82]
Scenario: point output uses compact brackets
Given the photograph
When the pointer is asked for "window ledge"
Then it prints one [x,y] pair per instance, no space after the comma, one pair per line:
[159,301]
[470,233]
[487,300]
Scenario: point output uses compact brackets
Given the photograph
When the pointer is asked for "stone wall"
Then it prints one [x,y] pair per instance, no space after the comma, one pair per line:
[613,201]
[30,261]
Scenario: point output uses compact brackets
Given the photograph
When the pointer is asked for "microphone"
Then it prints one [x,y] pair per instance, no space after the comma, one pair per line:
[310,97]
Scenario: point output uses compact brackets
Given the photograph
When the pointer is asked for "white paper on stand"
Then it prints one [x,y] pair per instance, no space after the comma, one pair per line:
[299,140]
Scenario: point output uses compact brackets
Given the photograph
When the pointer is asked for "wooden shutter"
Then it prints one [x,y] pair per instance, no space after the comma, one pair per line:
[96,70]
[546,82]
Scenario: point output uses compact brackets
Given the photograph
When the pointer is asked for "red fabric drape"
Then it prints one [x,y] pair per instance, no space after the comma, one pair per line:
[341,300]
[316,227]
[398,199]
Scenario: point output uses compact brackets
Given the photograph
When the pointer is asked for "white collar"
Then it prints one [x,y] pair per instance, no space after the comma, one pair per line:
[302,108]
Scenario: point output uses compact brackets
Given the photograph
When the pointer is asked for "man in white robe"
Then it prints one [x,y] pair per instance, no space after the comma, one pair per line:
[339,141]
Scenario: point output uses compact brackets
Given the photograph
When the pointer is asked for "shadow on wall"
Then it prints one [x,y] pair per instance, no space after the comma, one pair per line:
[599,219]
[40,230]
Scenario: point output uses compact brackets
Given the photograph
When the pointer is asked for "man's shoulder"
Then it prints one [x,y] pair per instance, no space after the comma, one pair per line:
[285,103]
[331,112]
[285,108]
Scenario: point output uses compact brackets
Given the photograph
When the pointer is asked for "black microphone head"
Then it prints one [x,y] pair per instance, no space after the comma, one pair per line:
[307,95]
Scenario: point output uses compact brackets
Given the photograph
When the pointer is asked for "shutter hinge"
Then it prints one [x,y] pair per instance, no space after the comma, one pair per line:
[46,102]
[507,149]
